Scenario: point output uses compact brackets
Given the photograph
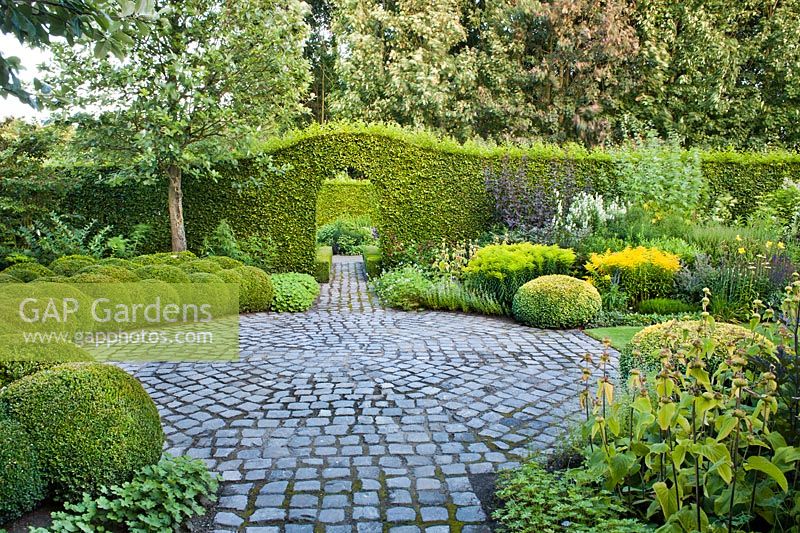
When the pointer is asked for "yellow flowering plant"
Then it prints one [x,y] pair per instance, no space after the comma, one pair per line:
[642,272]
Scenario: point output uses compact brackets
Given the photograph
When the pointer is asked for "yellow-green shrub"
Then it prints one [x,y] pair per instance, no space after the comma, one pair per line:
[643,352]
[501,269]
[69,265]
[556,302]
[28,271]
[642,273]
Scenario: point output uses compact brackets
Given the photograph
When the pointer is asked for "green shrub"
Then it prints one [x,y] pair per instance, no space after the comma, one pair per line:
[322,264]
[225,262]
[52,279]
[201,265]
[644,350]
[91,424]
[118,273]
[451,295]
[255,289]
[372,261]
[92,277]
[166,494]
[641,272]
[119,262]
[534,501]
[8,278]
[19,359]
[665,306]
[165,258]
[229,276]
[556,302]
[28,271]
[404,288]
[168,273]
[204,277]
[22,484]
[70,265]
[346,236]
[293,292]
[501,269]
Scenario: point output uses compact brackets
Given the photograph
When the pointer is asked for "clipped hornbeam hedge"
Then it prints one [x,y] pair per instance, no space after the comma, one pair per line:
[427,188]
[350,198]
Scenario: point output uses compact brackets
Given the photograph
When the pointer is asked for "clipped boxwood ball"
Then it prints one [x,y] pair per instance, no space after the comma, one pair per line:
[118,262]
[92,277]
[255,289]
[70,265]
[118,273]
[91,425]
[52,279]
[28,271]
[168,273]
[165,258]
[225,262]
[8,278]
[643,352]
[556,301]
[204,277]
[200,265]
[19,359]
[22,484]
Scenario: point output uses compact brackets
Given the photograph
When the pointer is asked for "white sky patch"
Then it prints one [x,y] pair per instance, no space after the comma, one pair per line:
[31,58]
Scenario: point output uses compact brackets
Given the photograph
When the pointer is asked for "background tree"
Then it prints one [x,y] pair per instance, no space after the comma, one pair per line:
[210,75]
[111,25]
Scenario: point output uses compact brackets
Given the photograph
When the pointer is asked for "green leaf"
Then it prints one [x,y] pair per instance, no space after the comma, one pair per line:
[764,465]
[666,499]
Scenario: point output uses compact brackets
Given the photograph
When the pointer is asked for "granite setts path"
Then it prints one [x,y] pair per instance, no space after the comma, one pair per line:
[356,418]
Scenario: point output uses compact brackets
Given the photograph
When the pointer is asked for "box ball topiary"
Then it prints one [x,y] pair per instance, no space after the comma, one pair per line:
[52,279]
[165,258]
[120,274]
[556,301]
[643,352]
[70,265]
[225,262]
[28,271]
[119,262]
[294,292]
[168,273]
[22,484]
[92,277]
[91,425]
[204,277]
[200,265]
[19,359]
[255,289]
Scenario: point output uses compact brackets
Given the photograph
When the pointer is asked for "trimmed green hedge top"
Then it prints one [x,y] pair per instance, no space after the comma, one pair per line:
[426,188]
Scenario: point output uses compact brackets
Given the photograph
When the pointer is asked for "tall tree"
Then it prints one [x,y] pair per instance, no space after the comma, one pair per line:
[111,25]
[719,73]
[211,74]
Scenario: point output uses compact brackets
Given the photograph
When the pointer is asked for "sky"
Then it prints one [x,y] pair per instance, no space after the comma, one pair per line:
[31,58]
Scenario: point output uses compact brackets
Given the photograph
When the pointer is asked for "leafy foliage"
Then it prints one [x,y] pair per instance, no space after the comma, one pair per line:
[696,447]
[534,500]
[346,197]
[346,235]
[293,292]
[160,498]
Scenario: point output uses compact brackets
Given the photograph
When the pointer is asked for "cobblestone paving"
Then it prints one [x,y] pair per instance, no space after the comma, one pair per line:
[355,418]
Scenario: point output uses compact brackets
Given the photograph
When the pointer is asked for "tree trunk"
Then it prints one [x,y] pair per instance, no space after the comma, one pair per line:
[176,209]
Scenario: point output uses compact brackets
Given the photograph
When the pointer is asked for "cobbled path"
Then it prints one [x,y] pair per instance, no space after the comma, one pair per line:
[355,418]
